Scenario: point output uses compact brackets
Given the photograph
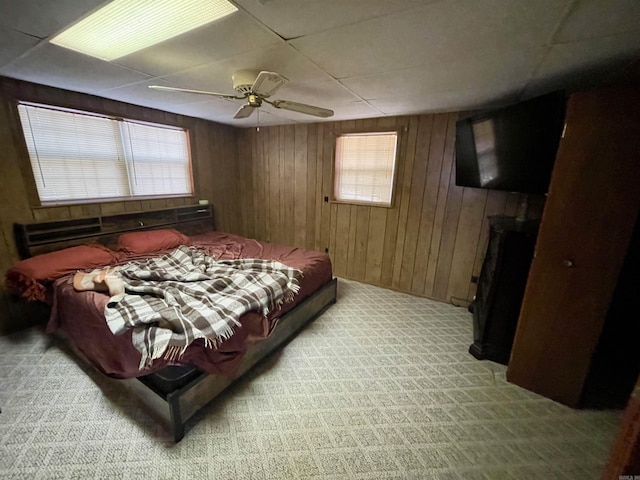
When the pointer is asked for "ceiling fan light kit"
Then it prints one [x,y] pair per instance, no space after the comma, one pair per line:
[256,87]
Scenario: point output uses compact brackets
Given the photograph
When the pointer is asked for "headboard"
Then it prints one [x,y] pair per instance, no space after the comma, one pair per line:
[41,237]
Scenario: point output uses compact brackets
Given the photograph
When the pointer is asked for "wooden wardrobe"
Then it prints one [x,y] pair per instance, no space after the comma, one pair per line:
[587,223]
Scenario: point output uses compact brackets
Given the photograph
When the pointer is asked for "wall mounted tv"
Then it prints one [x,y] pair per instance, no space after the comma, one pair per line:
[512,148]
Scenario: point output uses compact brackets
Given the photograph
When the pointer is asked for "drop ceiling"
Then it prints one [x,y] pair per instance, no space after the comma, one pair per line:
[360,58]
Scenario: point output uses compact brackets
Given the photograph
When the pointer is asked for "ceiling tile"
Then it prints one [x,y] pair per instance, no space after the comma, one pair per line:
[359,109]
[458,74]
[43,19]
[282,59]
[327,94]
[390,57]
[211,107]
[449,101]
[432,34]
[585,63]
[58,67]
[141,94]
[598,18]
[238,33]
[14,44]
[294,18]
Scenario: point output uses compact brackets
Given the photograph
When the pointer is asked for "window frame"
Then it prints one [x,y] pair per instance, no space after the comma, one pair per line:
[29,176]
[399,131]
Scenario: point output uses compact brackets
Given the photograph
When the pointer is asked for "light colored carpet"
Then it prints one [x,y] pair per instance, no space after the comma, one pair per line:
[380,386]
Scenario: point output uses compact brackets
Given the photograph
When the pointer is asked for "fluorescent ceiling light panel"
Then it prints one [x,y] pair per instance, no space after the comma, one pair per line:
[126,26]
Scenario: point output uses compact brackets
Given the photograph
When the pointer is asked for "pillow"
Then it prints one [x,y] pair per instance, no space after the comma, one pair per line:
[150,241]
[30,276]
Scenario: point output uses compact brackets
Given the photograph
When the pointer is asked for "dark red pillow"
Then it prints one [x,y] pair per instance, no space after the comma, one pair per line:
[150,241]
[30,276]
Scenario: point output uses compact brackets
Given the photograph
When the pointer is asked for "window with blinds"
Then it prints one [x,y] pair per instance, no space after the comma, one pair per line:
[365,167]
[80,156]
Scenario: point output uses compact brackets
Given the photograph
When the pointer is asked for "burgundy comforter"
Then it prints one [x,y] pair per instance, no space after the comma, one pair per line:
[79,315]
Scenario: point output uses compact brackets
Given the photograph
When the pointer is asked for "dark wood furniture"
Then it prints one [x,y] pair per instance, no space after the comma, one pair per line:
[586,227]
[175,408]
[180,401]
[501,286]
[40,237]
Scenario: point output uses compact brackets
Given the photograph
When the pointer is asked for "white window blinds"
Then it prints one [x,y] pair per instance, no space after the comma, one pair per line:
[364,167]
[78,156]
[159,158]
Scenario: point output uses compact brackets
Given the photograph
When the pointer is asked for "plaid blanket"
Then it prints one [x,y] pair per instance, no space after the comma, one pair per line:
[174,299]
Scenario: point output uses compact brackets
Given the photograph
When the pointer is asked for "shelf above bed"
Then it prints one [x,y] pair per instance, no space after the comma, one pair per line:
[41,237]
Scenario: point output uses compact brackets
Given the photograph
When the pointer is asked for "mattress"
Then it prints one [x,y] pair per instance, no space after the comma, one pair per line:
[79,315]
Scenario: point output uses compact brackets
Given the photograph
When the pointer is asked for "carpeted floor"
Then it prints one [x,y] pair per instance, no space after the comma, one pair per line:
[380,386]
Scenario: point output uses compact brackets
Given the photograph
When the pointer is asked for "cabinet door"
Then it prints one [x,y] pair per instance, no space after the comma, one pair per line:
[589,215]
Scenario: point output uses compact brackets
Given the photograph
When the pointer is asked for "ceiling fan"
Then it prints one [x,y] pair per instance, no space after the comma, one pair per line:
[257,88]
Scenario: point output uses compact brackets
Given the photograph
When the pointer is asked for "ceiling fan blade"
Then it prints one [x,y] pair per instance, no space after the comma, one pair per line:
[302,108]
[200,92]
[245,111]
[266,83]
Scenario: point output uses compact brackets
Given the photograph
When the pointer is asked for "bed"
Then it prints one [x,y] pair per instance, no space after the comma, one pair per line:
[173,389]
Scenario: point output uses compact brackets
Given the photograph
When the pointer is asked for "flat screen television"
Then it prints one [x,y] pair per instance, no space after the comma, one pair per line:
[512,148]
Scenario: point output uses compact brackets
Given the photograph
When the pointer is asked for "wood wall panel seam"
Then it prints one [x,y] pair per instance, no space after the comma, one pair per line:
[327,182]
[448,237]
[441,207]
[318,193]
[467,238]
[405,194]
[416,196]
[436,152]
[300,188]
[393,214]
[312,197]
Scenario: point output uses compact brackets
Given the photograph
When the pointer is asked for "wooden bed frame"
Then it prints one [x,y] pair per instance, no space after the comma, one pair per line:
[176,407]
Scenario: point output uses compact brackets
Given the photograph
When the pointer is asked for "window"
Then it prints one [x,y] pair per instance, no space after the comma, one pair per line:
[80,156]
[365,167]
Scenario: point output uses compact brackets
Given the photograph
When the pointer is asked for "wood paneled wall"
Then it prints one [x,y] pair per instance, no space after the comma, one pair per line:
[429,243]
[270,184]
[214,150]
